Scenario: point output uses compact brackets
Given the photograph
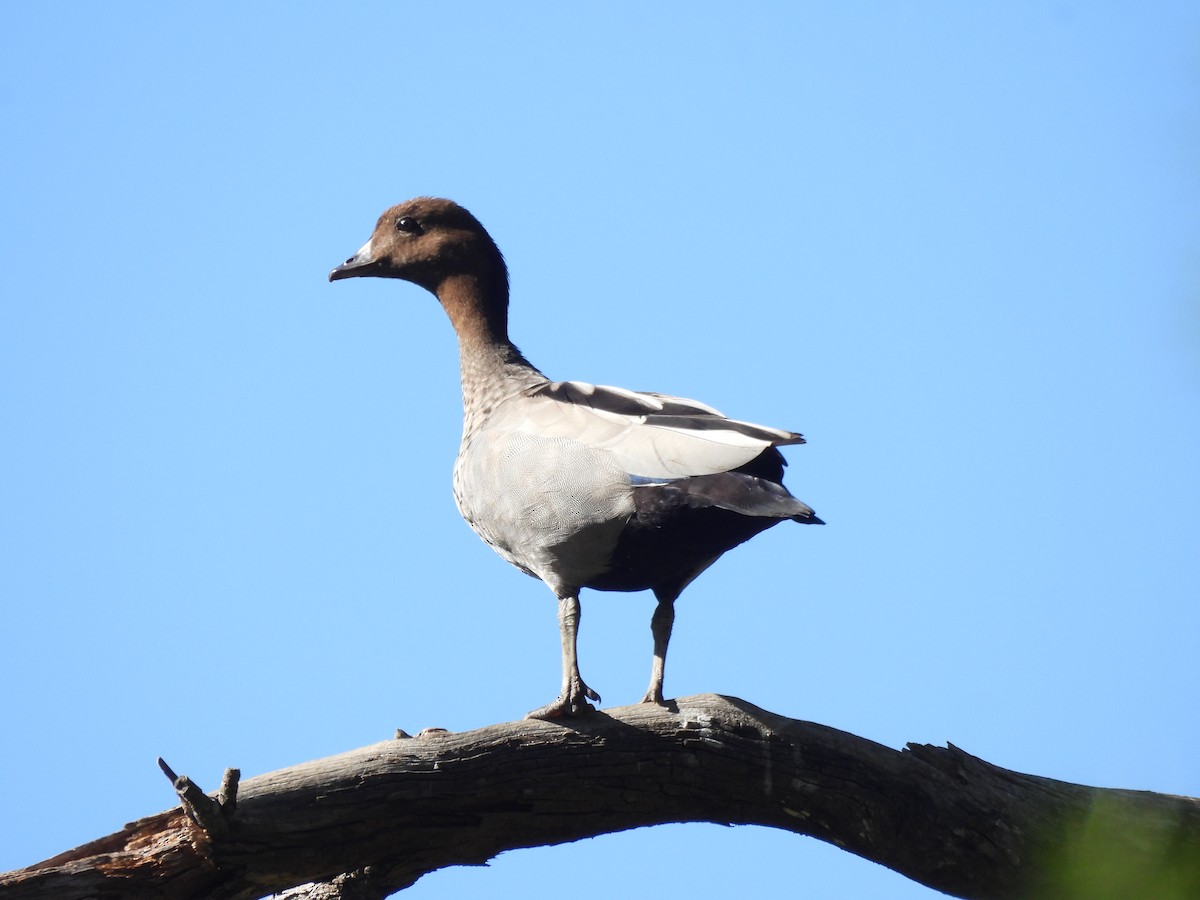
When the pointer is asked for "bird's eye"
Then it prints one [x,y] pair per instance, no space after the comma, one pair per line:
[408,225]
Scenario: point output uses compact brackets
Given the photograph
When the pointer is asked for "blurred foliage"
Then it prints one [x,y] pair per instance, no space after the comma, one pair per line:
[1121,850]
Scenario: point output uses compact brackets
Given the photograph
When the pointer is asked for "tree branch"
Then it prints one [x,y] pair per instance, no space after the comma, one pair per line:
[369,822]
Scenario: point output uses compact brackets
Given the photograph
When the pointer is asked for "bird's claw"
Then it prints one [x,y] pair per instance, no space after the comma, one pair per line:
[655,696]
[570,703]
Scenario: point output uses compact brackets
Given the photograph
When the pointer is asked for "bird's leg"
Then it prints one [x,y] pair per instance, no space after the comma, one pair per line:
[660,627]
[573,700]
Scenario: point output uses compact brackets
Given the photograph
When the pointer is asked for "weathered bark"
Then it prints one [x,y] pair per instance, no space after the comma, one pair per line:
[369,822]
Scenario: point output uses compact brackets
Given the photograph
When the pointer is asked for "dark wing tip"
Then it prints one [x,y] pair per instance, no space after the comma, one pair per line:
[809,518]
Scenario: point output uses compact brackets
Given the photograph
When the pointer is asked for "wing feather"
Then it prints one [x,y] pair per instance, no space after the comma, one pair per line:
[648,435]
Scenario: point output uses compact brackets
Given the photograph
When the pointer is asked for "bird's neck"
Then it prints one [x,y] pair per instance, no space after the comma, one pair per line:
[493,369]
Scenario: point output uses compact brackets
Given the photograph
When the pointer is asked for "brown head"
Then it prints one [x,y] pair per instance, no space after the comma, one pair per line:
[438,245]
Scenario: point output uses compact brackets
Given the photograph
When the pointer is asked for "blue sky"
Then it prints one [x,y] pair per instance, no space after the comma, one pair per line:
[954,244]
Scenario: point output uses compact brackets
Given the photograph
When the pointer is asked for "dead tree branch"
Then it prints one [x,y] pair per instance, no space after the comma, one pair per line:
[372,821]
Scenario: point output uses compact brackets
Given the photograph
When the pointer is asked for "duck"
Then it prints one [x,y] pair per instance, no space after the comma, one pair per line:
[579,485]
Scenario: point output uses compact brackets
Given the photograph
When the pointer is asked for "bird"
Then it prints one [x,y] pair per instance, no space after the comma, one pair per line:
[579,485]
